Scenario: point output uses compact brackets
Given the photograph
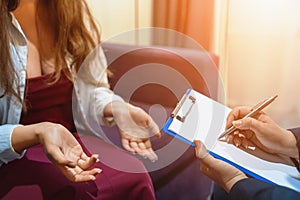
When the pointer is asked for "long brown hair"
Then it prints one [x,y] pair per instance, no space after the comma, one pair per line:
[76,35]
[7,74]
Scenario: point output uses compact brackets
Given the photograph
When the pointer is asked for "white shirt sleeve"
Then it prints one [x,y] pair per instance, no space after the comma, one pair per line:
[7,153]
[103,95]
[92,93]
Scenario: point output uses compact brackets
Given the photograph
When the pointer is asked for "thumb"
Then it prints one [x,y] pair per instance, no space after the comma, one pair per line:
[58,158]
[200,149]
[154,129]
[248,123]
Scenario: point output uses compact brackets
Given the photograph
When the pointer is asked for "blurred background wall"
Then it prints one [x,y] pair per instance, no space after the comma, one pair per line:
[117,16]
[257,41]
[262,56]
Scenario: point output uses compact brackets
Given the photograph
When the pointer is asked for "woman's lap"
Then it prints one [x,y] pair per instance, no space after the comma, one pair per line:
[122,177]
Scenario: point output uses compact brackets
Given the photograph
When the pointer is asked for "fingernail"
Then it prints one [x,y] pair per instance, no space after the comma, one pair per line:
[251,148]
[227,139]
[237,123]
[96,156]
[71,164]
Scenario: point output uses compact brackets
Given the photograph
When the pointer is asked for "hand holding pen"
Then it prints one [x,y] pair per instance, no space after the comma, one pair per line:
[236,118]
[261,132]
[256,109]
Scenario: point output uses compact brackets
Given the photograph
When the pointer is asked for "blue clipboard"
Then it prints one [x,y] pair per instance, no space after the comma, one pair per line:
[250,173]
[293,183]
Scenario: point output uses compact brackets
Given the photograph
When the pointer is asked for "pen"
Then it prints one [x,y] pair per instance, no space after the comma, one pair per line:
[253,112]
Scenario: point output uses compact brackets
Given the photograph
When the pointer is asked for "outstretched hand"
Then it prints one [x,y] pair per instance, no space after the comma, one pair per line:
[136,127]
[65,152]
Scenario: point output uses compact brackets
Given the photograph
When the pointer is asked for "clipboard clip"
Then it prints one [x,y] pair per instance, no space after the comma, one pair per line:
[179,106]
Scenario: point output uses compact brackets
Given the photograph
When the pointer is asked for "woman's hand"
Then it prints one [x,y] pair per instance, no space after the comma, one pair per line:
[60,146]
[222,173]
[262,132]
[136,127]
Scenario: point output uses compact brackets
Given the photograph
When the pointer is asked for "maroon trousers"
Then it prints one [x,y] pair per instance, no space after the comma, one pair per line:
[35,177]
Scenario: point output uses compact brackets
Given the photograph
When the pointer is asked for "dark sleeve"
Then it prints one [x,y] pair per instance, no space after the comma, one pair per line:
[296,132]
[250,188]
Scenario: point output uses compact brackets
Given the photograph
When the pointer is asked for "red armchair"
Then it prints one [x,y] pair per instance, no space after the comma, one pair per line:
[154,78]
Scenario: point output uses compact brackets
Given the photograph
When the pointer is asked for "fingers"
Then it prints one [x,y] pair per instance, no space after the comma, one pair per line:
[236,113]
[78,175]
[233,115]
[127,146]
[142,148]
[82,170]
[247,124]
[146,151]
[86,162]
[246,128]
[241,139]
[134,145]
[200,150]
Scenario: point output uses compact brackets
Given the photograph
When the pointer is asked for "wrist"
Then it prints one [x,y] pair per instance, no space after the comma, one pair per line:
[116,109]
[24,137]
[38,131]
[112,108]
[234,181]
[290,148]
[43,128]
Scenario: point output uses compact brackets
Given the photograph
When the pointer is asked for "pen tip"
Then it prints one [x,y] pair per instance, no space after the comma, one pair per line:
[274,97]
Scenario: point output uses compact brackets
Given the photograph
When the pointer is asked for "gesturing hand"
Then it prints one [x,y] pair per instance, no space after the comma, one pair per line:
[136,127]
[66,153]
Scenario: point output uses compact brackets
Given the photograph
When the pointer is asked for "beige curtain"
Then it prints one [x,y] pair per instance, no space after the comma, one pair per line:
[262,56]
[193,18]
